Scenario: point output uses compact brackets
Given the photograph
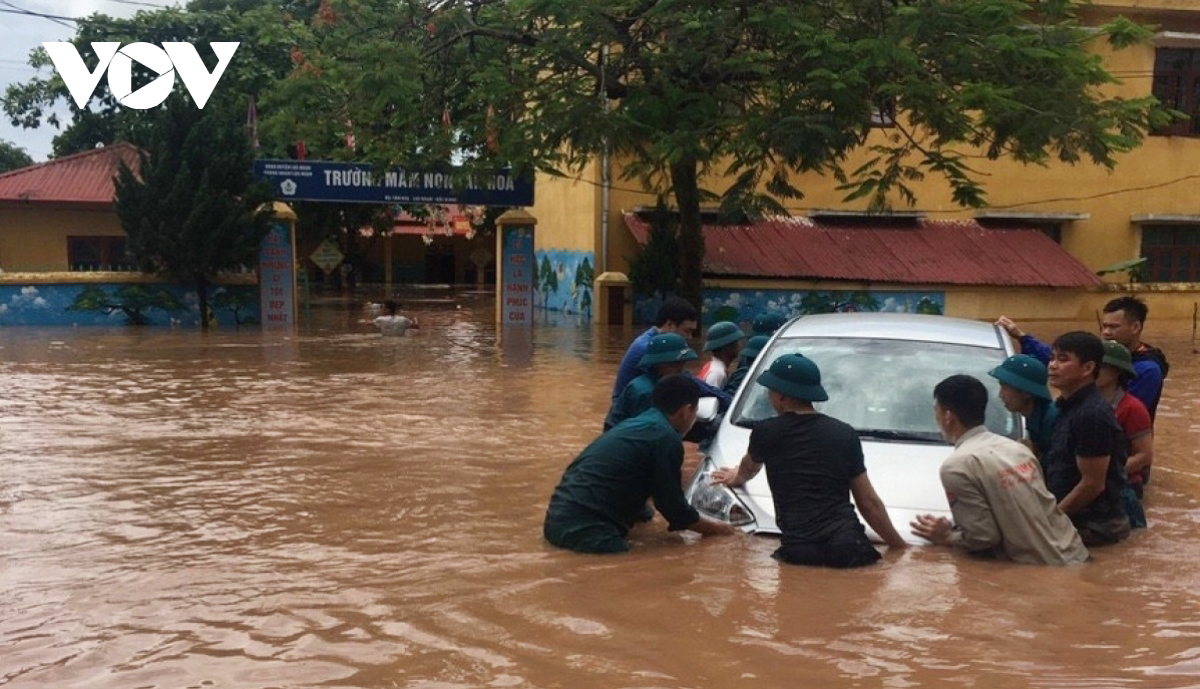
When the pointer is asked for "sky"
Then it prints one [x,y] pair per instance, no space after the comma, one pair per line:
[20,34]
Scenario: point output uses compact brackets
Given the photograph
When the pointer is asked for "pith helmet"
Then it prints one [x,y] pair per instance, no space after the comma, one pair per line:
[1024,373]
[1117,356]
[754,345]
[665,349]
[722,333]
[795,375]
[767,322]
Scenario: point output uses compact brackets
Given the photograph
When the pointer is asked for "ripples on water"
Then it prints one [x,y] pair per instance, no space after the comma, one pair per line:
[337,509]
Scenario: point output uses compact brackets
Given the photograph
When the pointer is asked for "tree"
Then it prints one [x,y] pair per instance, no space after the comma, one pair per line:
[131,300]
[261,59]
[744,94]
[13,157]
[655,269]
[193,208]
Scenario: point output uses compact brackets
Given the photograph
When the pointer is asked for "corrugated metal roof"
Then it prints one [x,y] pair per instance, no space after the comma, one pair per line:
[951,252]
[79,178]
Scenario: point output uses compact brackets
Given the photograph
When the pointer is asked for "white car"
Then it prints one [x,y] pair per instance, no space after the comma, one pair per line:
[879,370]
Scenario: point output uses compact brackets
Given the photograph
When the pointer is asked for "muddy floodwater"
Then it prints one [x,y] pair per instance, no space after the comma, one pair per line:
[336,509]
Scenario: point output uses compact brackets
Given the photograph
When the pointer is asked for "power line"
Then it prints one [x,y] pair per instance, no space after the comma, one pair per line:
[57,19]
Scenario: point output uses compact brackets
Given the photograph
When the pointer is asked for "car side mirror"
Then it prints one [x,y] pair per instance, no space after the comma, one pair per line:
[707,409]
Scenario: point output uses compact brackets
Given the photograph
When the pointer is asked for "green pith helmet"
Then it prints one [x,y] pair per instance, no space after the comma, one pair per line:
[753,346]
[1117,356]
[767,322]
[722,333]
[1024,373]
[665,349]
[795,375]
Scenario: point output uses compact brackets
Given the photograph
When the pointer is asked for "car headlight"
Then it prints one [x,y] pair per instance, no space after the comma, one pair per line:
[716,501]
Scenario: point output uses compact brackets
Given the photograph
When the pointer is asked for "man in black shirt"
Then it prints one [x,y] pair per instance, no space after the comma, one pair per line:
[814,462]
[1084,465]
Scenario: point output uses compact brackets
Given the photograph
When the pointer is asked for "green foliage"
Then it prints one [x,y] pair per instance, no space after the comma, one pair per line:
[235,300]
[193,209]
[12,156]
[262,58]
[655,269]
[547,281]
[752,92]
[581,288]
[132,300]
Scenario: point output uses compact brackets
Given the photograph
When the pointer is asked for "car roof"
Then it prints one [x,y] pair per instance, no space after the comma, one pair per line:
[895,326]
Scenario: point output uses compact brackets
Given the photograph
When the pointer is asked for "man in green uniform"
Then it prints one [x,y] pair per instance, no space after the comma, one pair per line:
[665,355]
[603,492]
[1023,390]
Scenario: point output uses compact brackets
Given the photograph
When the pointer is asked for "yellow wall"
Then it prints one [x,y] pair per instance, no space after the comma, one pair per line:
[568,211]
[35,239]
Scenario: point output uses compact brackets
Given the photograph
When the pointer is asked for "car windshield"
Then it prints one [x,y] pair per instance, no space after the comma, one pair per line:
[884,388]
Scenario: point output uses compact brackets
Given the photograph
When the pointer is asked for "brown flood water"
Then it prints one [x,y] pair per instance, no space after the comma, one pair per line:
[334,509]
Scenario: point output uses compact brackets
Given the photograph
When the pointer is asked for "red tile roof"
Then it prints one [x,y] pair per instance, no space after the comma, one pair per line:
[950,252]
[84,178]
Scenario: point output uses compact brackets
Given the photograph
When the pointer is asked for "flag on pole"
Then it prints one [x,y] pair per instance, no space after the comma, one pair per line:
[301,150]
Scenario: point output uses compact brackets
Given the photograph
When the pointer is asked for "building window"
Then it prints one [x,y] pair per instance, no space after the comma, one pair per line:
[97,253]
[1177,86]
[1172,253]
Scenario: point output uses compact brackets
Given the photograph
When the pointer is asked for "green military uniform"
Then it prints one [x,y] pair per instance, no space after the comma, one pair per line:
[603,492]
[636,398]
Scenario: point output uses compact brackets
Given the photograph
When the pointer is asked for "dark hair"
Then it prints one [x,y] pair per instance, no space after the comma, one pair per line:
[391,305]
[674,391]
[1133,307]
[1084,345]
[675,310]
[965,397]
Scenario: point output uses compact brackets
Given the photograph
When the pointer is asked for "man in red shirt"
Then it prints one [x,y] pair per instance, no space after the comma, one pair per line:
[1115,374]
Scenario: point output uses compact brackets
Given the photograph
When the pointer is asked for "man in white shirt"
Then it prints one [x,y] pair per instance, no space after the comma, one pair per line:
[724,341]
[391,324]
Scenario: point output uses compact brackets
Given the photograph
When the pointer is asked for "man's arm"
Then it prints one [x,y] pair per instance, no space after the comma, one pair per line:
[874,511]
[1029,344]
[1092,472]
[628,369]
[724,399]
[1148,385]
[1141,453]
[711,527]
[975,526]
[733,478]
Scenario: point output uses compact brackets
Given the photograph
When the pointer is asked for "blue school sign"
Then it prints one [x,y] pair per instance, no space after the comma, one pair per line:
[305,180]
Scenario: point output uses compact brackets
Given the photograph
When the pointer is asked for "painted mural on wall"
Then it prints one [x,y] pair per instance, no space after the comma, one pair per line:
[124,304]
[741,306]
[564,281]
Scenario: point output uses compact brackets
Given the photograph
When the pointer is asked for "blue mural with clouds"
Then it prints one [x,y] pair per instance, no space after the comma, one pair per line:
[124,304]
[743,305]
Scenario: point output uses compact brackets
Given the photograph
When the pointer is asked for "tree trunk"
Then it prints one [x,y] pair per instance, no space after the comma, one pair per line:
[202,300]
[691,238]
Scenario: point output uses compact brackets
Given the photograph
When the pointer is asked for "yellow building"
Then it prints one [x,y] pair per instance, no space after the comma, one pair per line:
[1098,217]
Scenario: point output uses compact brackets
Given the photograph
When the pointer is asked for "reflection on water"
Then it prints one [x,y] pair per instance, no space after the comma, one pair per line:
[338,509]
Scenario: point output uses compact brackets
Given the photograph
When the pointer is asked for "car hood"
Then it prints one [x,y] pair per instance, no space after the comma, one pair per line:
[904,474]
